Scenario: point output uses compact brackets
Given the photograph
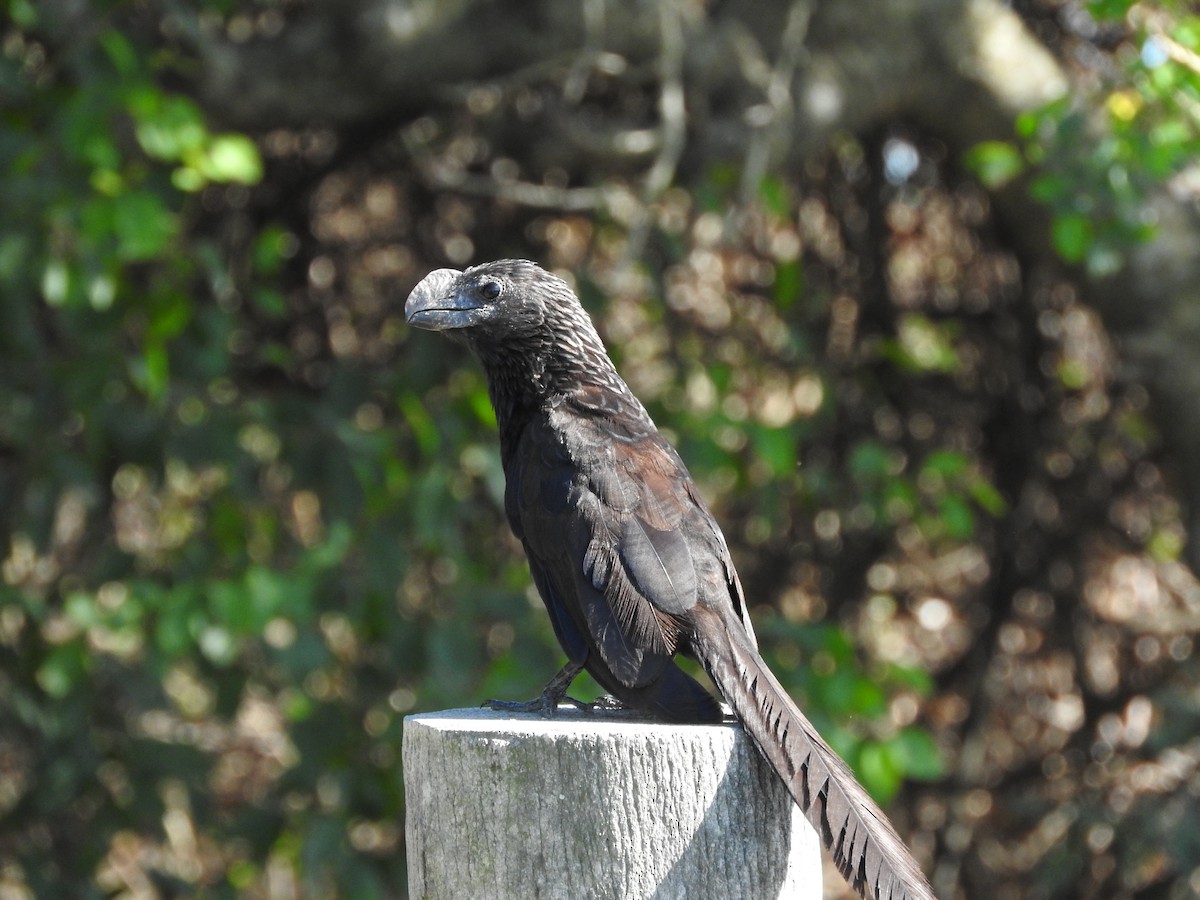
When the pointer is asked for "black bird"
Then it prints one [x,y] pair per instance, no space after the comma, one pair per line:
[630,563]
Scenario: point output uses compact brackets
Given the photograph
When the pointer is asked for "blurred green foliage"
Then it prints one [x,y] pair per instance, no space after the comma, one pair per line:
[248,523]
[1096,156]
[202,554]
[229,571]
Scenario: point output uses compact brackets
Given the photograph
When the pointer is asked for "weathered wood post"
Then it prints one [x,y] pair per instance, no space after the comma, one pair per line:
[577,807]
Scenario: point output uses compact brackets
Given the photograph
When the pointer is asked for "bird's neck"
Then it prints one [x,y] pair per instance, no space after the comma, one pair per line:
[540,378]
[540,381]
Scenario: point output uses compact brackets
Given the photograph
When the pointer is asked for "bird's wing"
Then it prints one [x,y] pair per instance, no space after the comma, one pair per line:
[672,547]
[592,555]
[615,529]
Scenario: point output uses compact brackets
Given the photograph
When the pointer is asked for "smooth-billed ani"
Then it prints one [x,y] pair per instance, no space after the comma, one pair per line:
[630,563]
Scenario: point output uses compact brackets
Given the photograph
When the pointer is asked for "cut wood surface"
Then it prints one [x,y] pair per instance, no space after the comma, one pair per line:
[504,806]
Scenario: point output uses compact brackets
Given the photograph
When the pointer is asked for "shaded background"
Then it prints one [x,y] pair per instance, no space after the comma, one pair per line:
[913,287]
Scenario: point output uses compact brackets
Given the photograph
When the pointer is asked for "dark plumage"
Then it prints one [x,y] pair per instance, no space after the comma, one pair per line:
[630,563]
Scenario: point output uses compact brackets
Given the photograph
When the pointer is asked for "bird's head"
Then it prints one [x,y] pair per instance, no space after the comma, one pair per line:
[525,324]
[500,301]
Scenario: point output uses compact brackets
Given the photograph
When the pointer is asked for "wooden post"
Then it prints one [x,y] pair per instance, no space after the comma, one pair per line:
[506,807]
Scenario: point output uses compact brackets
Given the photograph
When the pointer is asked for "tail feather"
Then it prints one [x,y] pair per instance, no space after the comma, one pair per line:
[863,843]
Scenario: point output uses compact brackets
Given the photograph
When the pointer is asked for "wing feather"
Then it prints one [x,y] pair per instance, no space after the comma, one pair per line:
[574,527]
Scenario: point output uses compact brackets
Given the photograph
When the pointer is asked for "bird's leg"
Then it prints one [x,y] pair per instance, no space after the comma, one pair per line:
[553,694]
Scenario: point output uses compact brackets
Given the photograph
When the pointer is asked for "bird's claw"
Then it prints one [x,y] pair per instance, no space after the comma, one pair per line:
[544,705]
[607,704]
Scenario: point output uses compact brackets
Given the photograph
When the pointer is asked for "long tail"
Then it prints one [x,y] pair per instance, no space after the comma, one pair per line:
[863,843]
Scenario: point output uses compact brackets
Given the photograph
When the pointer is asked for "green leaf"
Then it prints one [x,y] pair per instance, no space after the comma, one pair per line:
[97,219]
[271,303]
[915,754]
[23,13]
[268,251]
[167,126]
[188,180]
[1109,10]
[173,630]
[774,196]
[81,608]
[153,369]
[143,224]
[62,669]
[956,517]
[231,158]
[120,53]
[169,317]
[297,706]
[1165,546]
[777,448]
[789,283]
[1073,235]
[481,405]
[995,163]
[1049,188]
[946,464]
[1027,124]
[990,500]
[14,255]
[1172,132]
[924,345]
[870,461]
[866,698]
[326,556]
[421,423]
[878,771]
[911,677]
[900,500]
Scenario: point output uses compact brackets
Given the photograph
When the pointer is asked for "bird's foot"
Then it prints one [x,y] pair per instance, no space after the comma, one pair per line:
[546,704]
[607,703]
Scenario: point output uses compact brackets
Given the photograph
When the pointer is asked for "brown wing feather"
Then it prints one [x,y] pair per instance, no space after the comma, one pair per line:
[580,529]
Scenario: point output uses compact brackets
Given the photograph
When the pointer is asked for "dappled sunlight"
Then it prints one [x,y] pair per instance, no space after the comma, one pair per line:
[251,520]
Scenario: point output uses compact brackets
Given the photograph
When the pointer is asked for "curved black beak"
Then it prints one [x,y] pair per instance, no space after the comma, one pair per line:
[437,305]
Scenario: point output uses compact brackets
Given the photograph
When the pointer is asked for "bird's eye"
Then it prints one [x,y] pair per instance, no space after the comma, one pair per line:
[489,290]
